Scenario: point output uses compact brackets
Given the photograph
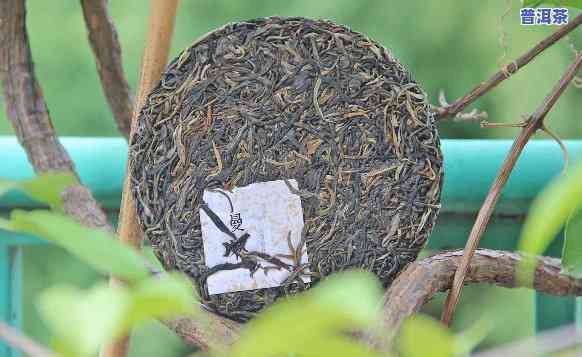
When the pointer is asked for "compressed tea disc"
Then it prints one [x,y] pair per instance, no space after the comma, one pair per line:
[277,151]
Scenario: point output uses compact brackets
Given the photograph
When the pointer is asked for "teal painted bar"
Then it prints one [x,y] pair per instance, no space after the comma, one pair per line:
[10,288]
[470,167]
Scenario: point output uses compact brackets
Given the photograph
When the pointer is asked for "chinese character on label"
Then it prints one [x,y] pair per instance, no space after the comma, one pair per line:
[543,16]
[236,221]
[267,250]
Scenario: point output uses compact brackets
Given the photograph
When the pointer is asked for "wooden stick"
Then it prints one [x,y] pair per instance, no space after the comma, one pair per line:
[15,339]
[160,29]
[421,280]
[534,123]
[458,105]
[107,52]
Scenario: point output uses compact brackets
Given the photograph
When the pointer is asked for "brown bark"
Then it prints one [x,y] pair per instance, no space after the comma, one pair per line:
[533,123]
[421,280]
[107,51]
[208,334]
[29,115]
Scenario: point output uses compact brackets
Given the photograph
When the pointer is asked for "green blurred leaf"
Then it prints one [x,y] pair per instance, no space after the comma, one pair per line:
[168,296]
[45,188]
[468,339]
[97,248]
[423,336]
[566,3]
[313,323]
[6,185]
[550,210]
[572,253]
[82,321]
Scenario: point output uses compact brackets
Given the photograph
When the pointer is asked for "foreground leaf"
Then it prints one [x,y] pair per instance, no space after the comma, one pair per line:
[166,297]
[422,336]
[97,248]
[45,188]
[317,322]
[572,253]
[82,321]
[550,210]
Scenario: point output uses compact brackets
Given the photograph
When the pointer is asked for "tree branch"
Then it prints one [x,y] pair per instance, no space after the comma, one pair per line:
[209,333]
[533,123]
[542,344]
[107,51]
[28,113]
[13,338]
[421,280]
[458,105]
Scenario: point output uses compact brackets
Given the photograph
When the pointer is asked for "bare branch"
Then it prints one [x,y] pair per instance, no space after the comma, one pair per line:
[209,333]
[107,51]
[15,339]
[421,280]
[535,122]
[542,344]
[29,114]
[458,105]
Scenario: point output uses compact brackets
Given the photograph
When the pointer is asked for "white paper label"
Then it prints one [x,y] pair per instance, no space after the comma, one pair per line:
[271,217]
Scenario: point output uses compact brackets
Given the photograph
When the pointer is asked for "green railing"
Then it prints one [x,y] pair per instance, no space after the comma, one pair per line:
[470,167]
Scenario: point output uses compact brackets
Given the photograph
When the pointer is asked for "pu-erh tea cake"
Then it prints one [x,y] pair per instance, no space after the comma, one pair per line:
[277,151]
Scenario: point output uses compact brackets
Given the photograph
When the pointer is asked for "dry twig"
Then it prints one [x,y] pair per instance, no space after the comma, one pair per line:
[105,45]
[458,105]
[421,280]
[532,124]
[542,344]
[13,338]
[28,113]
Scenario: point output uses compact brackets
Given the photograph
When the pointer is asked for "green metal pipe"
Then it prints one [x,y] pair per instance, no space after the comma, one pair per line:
[470,167]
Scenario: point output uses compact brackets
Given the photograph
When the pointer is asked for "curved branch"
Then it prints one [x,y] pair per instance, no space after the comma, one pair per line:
[209,332]
[29,115]
[532,124]
[107,51]
[421,280]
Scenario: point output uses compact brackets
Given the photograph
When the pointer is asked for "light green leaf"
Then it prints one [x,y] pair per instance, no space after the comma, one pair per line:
[45,188]
[82,321]
[550,210]
[97,248]
[572,253]
[467,340]
[7,185]
[422,336]
[313,323]
[166,297]
[564,3]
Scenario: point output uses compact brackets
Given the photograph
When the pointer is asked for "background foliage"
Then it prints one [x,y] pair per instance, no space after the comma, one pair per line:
[448,44]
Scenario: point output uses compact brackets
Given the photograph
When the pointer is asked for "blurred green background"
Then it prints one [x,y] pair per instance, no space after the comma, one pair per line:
[448,45]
